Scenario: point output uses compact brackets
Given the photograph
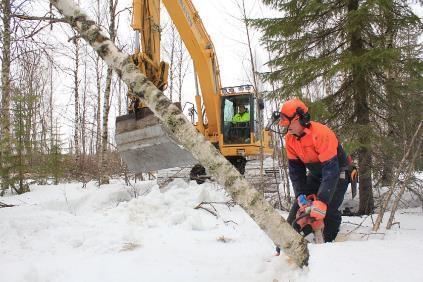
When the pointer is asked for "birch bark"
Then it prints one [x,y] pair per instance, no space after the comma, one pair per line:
[248,198]
[5,130]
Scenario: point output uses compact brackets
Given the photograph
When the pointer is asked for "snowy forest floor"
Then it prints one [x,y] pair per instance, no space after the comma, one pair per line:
[70,233]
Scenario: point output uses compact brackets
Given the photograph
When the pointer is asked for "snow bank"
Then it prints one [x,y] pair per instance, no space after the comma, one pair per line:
[67,233]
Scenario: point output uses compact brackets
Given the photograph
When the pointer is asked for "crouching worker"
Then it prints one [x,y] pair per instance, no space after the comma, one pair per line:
[314,147]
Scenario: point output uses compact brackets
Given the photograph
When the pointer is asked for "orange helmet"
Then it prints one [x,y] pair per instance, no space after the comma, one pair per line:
[290,109]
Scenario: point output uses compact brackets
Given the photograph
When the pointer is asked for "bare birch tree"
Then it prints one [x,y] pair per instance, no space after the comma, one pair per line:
[170,50]
[253,69]
[76,82]
[182,66]
[179,62]
[5,147]
[84,109]
[104,179]
[98,72]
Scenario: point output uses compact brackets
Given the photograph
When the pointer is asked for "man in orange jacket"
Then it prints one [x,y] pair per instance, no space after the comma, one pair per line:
[317,165]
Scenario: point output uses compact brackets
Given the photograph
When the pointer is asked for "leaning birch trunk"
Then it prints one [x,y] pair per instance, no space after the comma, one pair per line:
[253,203]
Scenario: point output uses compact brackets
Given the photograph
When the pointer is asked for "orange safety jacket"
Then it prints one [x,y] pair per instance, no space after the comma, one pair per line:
[318,151]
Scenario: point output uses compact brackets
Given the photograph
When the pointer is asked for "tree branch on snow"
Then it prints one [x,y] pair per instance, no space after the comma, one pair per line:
[357,225]
[363,235]
[200,206]
[3,205]
[228,203]
[206,203]
[230,221]
[249,199]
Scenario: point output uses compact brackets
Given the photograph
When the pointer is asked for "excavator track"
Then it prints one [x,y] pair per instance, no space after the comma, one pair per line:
[267,182]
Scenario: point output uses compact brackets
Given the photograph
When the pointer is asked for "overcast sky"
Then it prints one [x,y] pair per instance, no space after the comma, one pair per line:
[221,19]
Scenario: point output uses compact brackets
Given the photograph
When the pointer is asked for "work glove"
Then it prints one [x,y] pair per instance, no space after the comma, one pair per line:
[354,181]
[303,201]
[354,174]
[318,210]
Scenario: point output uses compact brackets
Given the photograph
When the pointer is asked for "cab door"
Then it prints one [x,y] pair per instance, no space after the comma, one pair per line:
[237,119]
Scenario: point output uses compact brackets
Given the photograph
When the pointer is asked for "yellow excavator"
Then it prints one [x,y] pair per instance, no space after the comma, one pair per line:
[143,142]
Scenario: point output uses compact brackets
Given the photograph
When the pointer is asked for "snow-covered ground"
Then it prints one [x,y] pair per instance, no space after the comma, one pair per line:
[67,233]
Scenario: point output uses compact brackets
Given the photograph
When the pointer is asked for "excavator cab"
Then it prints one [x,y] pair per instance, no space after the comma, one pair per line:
[236,120]
[238,115]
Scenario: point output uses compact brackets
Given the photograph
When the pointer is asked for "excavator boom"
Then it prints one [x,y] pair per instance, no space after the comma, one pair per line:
[200,47]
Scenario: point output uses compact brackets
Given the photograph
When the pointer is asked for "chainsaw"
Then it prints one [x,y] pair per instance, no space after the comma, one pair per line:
[303,218]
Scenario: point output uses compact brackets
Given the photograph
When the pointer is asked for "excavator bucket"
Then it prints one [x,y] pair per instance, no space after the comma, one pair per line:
[145,145]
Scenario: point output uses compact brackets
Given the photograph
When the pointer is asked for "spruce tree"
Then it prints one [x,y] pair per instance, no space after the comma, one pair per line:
[341,46]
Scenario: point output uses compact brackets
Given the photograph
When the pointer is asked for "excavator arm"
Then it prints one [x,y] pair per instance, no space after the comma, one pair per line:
[146,23]
[200,47]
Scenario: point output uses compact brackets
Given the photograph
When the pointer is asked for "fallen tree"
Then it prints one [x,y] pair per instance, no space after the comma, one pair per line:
[269,220]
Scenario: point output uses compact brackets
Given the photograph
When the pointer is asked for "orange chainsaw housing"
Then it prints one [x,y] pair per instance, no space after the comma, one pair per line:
[303,217]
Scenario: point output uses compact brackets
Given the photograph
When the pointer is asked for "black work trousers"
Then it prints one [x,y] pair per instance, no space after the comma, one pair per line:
[333,217]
